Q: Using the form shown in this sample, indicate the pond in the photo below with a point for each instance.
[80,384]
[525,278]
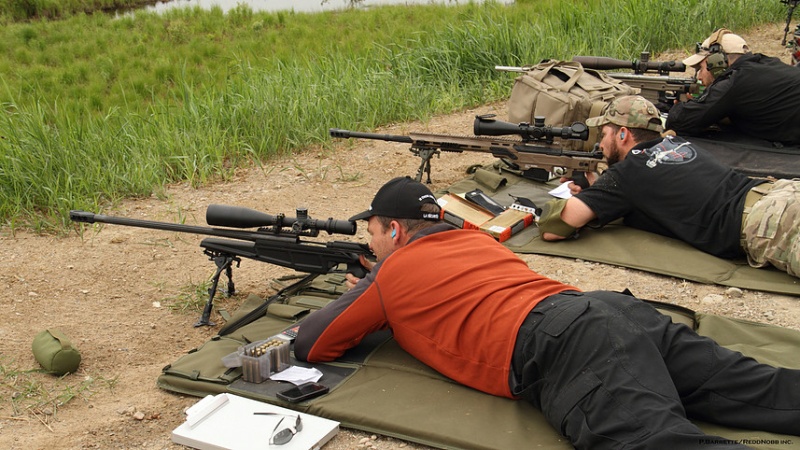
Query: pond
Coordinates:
[297,5]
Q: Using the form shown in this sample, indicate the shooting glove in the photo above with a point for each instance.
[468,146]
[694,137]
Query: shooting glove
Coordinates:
[550,221]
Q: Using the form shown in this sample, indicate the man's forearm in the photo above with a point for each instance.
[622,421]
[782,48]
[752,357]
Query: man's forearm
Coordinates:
[686,117]
[562,217]
[313,326]
[694,116]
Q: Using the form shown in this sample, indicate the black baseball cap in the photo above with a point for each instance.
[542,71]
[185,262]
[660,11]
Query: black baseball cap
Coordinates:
[400,198]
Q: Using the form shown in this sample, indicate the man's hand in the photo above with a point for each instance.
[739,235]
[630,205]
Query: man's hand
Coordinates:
[574,189]
[351,280]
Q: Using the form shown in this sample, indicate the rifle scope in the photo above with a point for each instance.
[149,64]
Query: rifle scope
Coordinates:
[487,126]
[638,66]
[240,217]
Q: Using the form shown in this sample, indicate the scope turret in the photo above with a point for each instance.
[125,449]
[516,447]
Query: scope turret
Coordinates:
[486,125]
[240,217]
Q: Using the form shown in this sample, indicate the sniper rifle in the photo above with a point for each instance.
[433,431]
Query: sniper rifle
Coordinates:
[660,88]
[275,241]
[535,156]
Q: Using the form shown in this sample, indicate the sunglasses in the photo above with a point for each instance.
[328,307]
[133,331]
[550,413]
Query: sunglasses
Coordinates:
[285,435]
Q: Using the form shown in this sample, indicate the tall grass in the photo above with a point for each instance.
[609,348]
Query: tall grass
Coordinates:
[196,97]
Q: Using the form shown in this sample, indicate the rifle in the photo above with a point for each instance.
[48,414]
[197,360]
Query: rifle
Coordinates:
[535,156]
[792,4]
[276,241]
[660,88]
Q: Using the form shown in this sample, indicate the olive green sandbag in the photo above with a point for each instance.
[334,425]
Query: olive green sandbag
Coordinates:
[55,352]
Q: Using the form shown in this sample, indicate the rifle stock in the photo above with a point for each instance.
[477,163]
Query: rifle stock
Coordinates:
[660,89]
[276,241]
[529,156]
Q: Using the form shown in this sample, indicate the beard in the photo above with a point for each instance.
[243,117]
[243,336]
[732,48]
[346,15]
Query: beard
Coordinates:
[613,155]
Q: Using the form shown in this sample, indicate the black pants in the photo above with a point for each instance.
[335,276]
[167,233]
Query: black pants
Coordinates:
[610,371]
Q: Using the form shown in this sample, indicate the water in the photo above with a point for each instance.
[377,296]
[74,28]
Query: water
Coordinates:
[296,5]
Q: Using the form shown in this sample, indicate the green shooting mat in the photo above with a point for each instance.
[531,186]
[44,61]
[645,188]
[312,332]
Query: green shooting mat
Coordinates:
[379,388]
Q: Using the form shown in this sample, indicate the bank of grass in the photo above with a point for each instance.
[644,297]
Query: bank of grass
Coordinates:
[98,108]
[25,10]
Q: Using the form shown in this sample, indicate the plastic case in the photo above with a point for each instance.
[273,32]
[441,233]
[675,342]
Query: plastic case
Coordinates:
[261,359]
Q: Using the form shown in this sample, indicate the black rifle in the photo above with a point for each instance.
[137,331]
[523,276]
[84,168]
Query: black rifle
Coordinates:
[534,156]
[660,88]
[276,241]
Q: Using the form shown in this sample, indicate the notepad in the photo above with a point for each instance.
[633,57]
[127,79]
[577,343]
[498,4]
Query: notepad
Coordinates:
[227,422]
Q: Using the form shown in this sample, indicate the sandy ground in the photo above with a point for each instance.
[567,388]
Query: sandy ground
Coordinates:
[114,289]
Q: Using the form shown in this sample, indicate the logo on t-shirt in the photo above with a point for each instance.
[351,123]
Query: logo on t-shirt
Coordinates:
[669,151]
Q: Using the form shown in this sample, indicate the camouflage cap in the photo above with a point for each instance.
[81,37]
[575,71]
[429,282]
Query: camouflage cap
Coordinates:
[631,111]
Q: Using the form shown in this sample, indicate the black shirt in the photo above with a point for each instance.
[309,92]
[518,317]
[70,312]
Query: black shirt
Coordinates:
[758,93]
[673,188]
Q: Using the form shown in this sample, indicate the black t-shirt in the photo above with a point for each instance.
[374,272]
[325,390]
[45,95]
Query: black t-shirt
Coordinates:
[673,188]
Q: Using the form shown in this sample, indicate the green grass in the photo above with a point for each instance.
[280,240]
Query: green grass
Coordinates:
[97,108]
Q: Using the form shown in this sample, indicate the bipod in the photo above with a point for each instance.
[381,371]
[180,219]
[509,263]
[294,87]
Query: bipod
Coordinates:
[792,4]
[224,261]
[426,153]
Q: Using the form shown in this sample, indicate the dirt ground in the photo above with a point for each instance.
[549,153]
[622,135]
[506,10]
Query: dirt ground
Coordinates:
[112,288]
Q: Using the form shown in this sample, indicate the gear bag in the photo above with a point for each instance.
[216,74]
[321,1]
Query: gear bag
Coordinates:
[564,92]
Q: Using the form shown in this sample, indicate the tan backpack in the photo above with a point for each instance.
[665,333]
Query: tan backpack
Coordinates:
[564,92]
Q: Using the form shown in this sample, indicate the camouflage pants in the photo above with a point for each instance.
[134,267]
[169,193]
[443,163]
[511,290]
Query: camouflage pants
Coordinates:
[771,230]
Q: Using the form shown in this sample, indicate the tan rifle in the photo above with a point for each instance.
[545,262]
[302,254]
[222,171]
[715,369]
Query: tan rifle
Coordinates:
[533,155]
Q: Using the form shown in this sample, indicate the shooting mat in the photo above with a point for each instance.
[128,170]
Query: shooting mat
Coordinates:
[379,388]
[751,156]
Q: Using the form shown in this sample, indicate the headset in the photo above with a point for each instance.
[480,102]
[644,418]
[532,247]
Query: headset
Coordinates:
[717,61]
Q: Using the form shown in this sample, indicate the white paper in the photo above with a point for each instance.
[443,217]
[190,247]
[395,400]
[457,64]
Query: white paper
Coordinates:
[297,375]
[562,191]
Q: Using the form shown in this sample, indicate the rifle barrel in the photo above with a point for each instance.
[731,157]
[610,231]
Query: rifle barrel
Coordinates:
[512,69]
[345,134]
[89,217]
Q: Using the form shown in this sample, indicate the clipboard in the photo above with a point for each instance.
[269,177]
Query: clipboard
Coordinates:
[227,422]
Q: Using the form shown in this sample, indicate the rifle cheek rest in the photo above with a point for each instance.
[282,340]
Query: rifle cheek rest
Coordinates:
[551,222]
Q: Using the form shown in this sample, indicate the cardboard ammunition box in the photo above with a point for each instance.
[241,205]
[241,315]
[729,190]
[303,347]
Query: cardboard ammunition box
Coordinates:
[463,213]
[507,224]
